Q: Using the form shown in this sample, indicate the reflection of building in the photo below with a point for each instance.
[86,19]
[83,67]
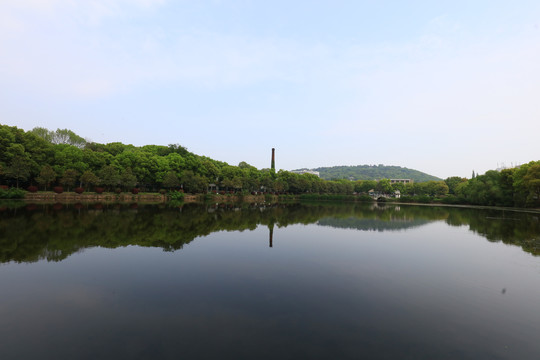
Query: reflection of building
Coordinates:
[401,181]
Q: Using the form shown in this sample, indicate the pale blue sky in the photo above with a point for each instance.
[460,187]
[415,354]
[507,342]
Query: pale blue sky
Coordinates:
[442,87]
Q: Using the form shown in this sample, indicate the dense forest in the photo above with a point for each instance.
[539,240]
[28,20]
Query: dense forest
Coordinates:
[43,159]
[373,172]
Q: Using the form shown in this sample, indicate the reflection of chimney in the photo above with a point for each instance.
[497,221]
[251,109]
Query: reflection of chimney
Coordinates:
[271,234]
[273,165]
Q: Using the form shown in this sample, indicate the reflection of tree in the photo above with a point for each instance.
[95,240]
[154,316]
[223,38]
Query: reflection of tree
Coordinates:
[54,233]
[510,227]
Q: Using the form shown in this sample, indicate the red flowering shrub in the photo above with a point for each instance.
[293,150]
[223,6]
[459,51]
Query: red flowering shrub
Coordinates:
[58,189]
[99,190]
[79,190]
[134,191]
[32,189]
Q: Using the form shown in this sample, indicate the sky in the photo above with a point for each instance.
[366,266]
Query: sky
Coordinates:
[444,87]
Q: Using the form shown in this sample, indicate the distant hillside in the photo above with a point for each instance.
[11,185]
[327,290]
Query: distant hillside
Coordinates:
[372,172]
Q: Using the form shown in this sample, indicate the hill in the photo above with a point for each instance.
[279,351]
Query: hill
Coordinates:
[373,172]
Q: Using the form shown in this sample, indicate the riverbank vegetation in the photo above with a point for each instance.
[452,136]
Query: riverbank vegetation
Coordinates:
[45,160]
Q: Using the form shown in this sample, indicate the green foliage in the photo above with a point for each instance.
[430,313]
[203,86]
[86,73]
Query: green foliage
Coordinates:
[109,177]
[384,186]
[46,176]
[60,136]
[171,180]
[453,182]
[12,193]
[19,169]
[88,178]
[127,179]
[176,195]
[69,178]
[29,157]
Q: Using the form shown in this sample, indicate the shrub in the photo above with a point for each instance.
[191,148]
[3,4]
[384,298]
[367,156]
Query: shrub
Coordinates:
[4,187]
[451,199]
[79,190]
[365,198]
[99,190]
[424,199]
[58,189]
[134,191]
[118,190]
[32,189]
[12,193]
[176,195]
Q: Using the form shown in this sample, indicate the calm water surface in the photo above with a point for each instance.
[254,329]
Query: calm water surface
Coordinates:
[267,282]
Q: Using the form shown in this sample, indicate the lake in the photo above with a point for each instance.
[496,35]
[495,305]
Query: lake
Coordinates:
[255,281]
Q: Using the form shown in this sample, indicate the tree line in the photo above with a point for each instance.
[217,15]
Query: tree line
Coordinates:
[45,158]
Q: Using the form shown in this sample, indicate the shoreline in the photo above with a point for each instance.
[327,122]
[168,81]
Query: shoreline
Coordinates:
[128,197]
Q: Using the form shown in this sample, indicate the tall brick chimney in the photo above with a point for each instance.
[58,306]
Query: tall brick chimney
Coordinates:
[273,165]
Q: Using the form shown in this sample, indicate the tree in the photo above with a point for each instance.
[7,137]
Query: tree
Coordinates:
[46,176]
[384,186]
[65,136]
[69,178]
[453,182]
[127,179]
[437,188]
[19,169]
[170,180]
[363,186]
[194,183]
[88,178]
[109,176]
[43,133]
[532,182]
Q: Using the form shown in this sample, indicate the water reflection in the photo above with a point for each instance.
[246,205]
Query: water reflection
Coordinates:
[31,232]
[389,283]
